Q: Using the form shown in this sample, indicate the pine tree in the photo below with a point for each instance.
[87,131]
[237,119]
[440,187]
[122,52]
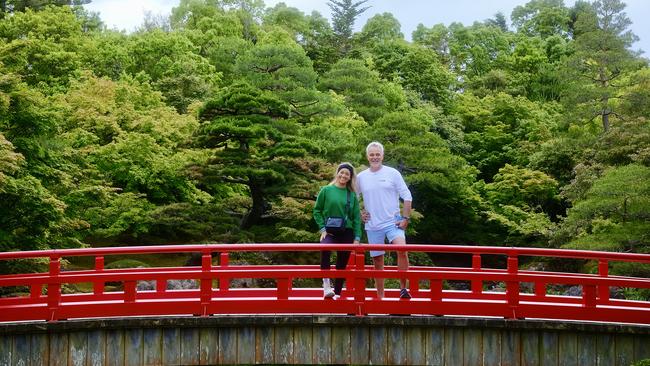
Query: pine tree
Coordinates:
[344,13]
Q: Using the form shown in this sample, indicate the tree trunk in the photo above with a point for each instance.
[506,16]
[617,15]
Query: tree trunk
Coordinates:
[253,216]
[605,116]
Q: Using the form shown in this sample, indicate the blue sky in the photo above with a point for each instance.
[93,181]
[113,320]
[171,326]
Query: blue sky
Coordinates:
[409,12]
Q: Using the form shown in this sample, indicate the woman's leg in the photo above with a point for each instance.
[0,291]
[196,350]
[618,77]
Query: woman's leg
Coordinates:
[325,264]
[342,257]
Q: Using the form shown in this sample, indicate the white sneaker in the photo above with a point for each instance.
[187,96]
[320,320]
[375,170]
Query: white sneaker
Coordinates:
[328,293]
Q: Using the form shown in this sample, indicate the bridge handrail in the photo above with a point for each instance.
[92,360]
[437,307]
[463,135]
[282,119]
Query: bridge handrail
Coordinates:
[593,303]
[458,249]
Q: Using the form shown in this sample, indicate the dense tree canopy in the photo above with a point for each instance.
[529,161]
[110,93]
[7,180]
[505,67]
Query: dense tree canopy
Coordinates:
[221,122]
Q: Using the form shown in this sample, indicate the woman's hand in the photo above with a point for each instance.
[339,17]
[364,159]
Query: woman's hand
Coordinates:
[365,216]
[323,235]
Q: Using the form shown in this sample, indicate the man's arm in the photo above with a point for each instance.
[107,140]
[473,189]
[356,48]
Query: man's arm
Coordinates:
[406,214]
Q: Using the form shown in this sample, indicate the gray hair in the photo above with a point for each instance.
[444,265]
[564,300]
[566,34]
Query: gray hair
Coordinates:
[377,145]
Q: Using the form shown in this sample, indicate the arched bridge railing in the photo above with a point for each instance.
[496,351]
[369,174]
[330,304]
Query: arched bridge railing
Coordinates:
[526,294]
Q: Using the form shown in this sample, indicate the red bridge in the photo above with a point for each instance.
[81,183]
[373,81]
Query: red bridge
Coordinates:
[214,296]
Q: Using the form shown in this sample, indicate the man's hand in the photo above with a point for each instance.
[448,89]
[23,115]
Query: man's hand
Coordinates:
[365,216]
[403,224]
[355,242]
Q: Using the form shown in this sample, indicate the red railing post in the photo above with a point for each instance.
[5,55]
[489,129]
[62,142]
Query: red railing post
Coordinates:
[283,288]
[540,289]
[35,290]
[435,293]
[349,280]
[224,281]
[161,287]
[206,281]
[129,291]
[436,290]
[603,290]
[589,296]
[98,284]
[512,287]
[477,285]
[54,288]
[360,281]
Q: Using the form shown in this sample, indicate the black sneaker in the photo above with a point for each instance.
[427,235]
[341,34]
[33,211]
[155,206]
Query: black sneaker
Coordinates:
[404,294]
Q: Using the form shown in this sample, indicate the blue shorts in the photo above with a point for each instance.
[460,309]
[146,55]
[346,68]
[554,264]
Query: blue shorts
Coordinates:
[379,237]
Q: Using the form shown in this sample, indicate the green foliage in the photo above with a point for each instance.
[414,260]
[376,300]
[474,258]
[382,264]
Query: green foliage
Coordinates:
[542,18]
[359,85]
[613,213]
[504,129]
[42,47]
[126,263]
[255,146]
[601,57]
[381,28]
[519,201]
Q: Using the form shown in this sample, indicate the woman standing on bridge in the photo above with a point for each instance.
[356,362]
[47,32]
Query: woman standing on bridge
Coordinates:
[337,214]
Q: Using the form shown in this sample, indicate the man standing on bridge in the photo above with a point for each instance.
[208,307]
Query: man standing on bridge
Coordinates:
[381,188]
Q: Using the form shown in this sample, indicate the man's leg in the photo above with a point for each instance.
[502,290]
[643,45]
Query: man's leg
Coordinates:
[378,261]
[402,260]
[377,237]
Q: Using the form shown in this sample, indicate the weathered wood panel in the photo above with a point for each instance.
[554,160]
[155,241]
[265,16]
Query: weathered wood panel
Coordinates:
[5,349]
[246,345]
[510,348]
[435,343]
[416,346]
[152,341]
[378,346]
[40,349]
[491,347]
[587,351]
[228,346]
[59,349]
[96,347]
[624,349]
[453,346]
[284,345]
[323,347]
[335,340]
[396,353]
[606,349]
[264,345]
[472,347]
[341,349]
[641,347]
[78,352]
[568,349]
[209,346]
[190,344]
[133,347]
[171,353]
[360,336]
[549,352]
[21,350]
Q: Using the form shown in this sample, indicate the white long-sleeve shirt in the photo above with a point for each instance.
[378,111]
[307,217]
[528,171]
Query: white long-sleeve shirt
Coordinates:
[381,191]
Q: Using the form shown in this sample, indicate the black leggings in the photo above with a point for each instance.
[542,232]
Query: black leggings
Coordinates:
[342,256]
